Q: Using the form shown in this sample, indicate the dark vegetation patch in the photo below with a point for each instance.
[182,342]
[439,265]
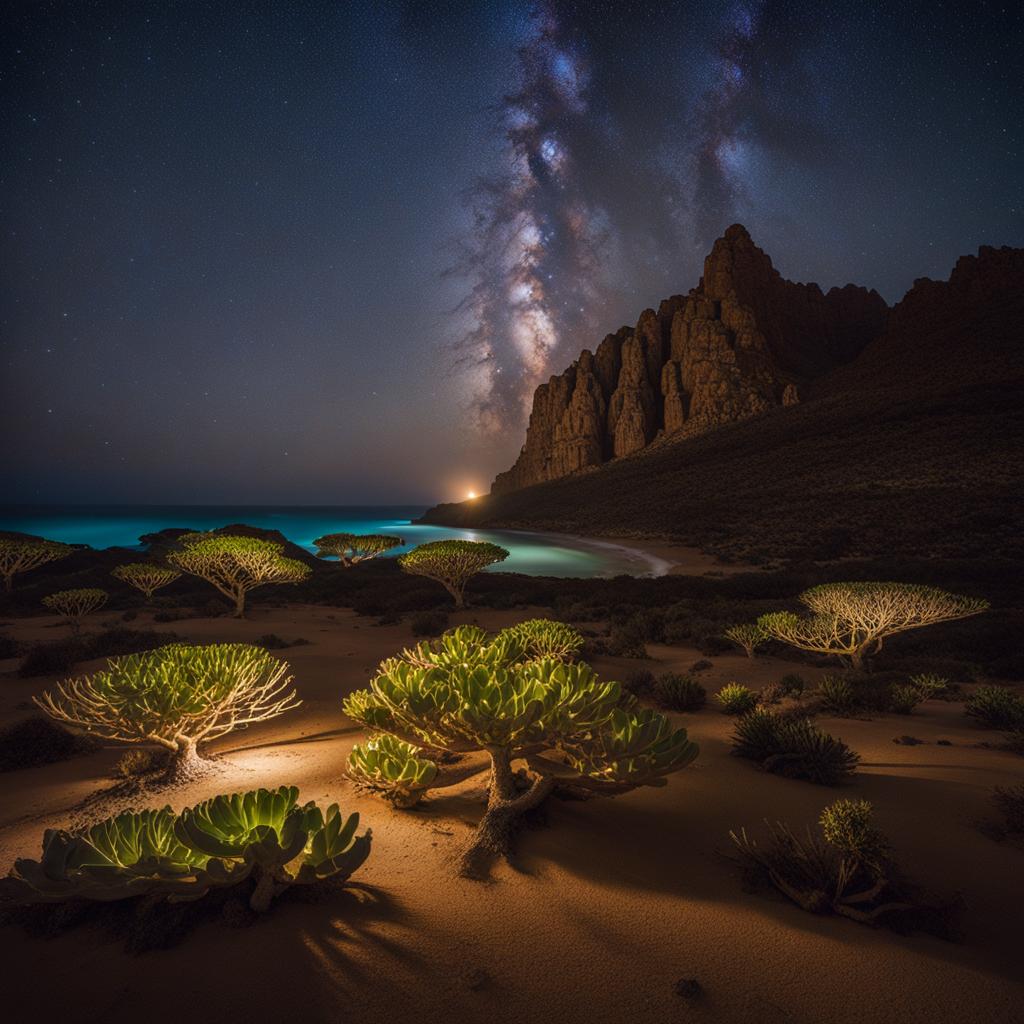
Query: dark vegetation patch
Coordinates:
[62,655]
[680,610]
[37,741]
[793,747]
[273,642]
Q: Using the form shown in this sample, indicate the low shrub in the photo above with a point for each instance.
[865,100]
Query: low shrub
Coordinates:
[273,642]
[837,696]
[792,685]
[36,741]
[627,640]
[736,699]
[640,682]
[903,699]
[679,693]
[9,647]
[793,747]
[546,638]
[431,623]
[62,655]
[844,869]
[1009,803]
[998,707]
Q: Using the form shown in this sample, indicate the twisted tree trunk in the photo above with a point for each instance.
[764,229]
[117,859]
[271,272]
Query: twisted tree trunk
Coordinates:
[505,807]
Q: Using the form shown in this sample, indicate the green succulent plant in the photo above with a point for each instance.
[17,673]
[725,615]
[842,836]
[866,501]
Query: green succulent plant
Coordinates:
[393,768]
[546,638]
[263,834]
[470,692]
[736,699]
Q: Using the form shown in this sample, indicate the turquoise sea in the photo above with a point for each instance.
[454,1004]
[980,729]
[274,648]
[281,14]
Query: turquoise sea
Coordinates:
[535,554]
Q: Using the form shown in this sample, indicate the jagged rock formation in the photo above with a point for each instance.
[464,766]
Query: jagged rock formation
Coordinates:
[739,344]
[913,450]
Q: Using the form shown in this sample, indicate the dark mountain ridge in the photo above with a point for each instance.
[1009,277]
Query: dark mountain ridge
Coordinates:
[915,447]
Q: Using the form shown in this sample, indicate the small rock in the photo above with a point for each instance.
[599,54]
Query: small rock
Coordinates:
[908,741]
[689,988]
[475,979]
[944,743]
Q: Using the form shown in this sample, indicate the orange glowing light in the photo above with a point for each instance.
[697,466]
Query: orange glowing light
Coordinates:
[470,495]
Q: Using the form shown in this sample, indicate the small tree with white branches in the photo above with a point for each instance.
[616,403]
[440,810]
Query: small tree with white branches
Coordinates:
[452,563]
[351,548]
[20,555]
[74,604]
[748,635]
[236,565]
[145,577]
[175,697]
[852,620]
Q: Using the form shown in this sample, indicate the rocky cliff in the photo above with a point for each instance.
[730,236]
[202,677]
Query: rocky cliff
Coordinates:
[743,341]
[914,449]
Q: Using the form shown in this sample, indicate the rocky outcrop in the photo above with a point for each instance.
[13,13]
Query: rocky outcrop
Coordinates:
[738,344]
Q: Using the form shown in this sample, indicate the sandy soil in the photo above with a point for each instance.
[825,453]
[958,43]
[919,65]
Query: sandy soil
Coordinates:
[678,560]
[620,898]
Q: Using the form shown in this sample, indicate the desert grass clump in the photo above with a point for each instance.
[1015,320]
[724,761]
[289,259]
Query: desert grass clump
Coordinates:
[837,696]
[793,747]
[546,638]
[852,620]
[74,605]
[998,707]
[452,563]
[555,720]
[18,555]
[392,768]
[236,565]
[748,635]
[845,868]
[176,697]
[145,577]
[676,692]
[736,699]
[352,548]
[904,698]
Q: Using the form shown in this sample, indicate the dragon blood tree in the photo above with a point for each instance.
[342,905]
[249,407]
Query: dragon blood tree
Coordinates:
[852,620]
[350,548]
[236,565]
[145,577]
[74,604]
[542,723]
[452,563]
[176,697]
[20,555]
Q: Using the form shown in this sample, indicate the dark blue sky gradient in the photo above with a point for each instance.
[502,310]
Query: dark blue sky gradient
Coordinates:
[229,229]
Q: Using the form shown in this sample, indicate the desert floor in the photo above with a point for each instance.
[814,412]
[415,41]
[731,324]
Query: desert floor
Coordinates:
[619,898]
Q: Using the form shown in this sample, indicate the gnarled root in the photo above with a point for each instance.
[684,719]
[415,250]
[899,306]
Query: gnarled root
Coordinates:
[506,806]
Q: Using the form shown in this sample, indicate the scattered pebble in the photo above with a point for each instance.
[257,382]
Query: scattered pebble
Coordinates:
[475,979]
[689,988]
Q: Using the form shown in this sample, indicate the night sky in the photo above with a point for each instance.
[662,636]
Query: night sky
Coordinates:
[323,252]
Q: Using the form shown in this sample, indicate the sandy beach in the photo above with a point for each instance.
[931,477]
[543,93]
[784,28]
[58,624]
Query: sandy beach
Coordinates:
[618,900]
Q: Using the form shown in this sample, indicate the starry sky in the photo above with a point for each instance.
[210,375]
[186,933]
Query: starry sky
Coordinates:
[312,252]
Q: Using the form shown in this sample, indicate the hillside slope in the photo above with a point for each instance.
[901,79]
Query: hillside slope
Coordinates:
[915,448]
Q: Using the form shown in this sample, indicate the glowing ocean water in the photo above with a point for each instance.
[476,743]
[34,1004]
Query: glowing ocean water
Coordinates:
[534,554]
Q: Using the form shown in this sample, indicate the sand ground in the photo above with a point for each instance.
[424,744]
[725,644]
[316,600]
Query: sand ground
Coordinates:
[619,898]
